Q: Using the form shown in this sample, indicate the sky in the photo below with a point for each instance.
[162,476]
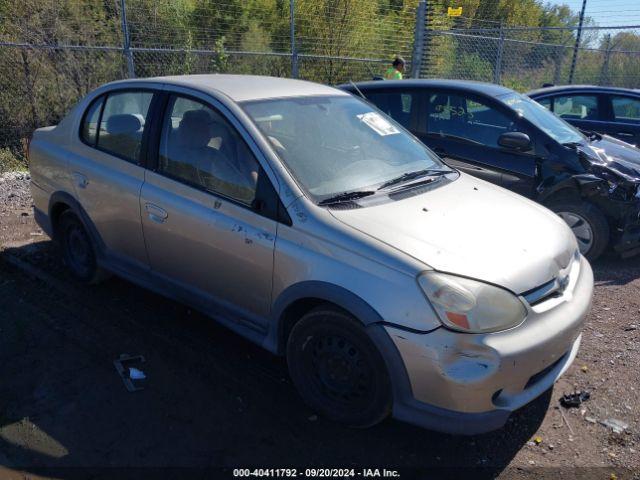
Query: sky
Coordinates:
[607,13]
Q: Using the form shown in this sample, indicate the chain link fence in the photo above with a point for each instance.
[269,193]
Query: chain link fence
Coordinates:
[527,58]
[53,52]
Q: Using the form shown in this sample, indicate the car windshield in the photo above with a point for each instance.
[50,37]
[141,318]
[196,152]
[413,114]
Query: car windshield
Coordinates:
[552,125]
[334,145]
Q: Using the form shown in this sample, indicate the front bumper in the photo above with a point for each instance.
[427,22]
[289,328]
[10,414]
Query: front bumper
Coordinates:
[471,383]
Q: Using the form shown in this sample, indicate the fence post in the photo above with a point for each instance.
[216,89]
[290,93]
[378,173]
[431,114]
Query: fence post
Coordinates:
[577,44]
[497,69]
[292,34]
[126,44]
[418,39]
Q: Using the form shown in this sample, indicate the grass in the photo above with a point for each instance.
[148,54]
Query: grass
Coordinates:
[12,161]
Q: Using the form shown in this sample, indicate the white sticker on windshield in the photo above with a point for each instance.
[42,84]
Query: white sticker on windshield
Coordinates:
[378,124]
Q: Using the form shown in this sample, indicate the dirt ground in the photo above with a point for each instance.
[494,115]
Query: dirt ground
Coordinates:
[212,399]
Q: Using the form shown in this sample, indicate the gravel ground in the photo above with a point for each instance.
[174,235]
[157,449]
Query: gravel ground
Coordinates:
[214,399]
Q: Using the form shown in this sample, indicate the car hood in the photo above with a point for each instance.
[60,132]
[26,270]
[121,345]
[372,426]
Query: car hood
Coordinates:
[475,229]
[613,154]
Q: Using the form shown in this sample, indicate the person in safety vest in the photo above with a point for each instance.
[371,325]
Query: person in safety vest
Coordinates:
[395,71]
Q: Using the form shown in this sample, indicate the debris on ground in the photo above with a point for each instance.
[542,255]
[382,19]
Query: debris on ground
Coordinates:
[135,374]
[537,440]
[584,368]
[131,376]
[618,426]
[590,419]
[575,399]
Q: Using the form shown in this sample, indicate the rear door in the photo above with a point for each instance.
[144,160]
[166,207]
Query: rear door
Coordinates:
[625,118]
[204,215]
[463,129]
[401,105]
[585,110]
[108,174]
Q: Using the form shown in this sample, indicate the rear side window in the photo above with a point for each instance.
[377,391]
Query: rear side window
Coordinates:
[122,124]
[626,109]
[395,104]
[576,107]
[545,102]
[89,130]
[457,116]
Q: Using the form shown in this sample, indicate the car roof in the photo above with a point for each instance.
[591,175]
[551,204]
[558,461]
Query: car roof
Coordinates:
[471,86]
[242,88]
[580,88]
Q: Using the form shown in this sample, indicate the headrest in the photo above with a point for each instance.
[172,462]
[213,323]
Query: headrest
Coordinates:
[195,128]
[125,123]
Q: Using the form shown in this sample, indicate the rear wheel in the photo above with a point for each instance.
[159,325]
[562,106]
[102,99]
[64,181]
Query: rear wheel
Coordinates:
[78,251]
[588,224]
[337,369]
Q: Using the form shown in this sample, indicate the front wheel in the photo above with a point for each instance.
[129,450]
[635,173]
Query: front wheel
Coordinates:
[588,224]
[337,369]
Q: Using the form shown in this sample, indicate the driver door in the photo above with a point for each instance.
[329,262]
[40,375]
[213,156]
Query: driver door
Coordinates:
[463,130]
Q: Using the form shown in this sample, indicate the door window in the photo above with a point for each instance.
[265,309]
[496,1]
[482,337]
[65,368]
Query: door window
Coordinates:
[200,147]
[626,109]
[395,104]
[545,102]
[456,116]
[576,107]
[122,124]
[89,129]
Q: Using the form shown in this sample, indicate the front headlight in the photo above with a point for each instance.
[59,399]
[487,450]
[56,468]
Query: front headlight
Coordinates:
[469,305]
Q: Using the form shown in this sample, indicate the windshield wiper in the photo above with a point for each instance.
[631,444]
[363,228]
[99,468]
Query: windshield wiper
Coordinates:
[411,175]
[346,197]
[572,144]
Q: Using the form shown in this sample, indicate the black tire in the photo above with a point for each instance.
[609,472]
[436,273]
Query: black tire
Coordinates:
[593,218]
[337,369]
[78,251]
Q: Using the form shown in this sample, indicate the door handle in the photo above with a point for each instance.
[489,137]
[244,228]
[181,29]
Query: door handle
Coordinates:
[156,213]
[80,180]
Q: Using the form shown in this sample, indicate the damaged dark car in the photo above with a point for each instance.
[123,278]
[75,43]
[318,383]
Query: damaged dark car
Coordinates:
[494,133]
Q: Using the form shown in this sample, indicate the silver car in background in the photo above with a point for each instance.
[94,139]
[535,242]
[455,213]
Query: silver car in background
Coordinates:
[307,221]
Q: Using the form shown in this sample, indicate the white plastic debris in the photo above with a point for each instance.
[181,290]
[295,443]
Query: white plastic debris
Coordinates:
[618,426]
[135,374]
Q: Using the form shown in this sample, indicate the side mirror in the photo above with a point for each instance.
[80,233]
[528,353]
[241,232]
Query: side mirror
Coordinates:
[515,141]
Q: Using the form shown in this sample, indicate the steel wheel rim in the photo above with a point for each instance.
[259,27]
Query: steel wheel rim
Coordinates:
[581,228]
[339,371]
[78,249]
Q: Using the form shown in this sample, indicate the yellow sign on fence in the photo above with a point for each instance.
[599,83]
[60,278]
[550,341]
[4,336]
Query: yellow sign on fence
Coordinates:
[454,12]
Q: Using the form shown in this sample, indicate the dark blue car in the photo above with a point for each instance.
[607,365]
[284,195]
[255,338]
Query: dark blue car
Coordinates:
[605,110]
[494,133]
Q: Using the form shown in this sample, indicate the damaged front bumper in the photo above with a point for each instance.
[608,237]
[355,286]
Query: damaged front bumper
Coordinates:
[471,383]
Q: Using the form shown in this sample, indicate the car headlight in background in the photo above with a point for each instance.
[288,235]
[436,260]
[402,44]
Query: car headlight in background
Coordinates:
[469,305]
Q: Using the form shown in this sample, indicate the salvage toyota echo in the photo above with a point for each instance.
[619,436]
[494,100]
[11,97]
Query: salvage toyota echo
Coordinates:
[304,219]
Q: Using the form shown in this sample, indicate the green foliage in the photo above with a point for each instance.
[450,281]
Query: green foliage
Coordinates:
[10,161]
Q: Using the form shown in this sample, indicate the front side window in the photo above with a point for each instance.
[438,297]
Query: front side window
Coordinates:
[457,116]
[576,107]
[626,109]
[122,124]
[539,116]
[395,104]
[198,146]
[335,144]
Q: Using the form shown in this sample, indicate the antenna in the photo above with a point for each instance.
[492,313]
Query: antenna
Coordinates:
[357,89]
